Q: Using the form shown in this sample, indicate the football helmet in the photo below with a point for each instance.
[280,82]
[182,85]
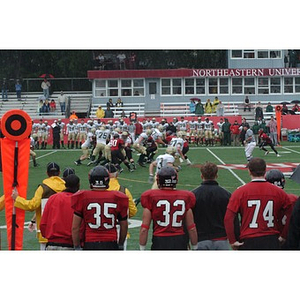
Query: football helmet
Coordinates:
[99,177]
[276,177]
[171,150]
[167,177]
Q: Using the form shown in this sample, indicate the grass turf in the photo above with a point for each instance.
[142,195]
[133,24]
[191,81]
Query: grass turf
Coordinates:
[137,182]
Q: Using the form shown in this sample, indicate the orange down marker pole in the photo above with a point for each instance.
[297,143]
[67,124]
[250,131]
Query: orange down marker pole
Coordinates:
[278,109]
[15,149]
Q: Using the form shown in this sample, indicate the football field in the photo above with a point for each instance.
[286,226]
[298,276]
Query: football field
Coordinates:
[232,173]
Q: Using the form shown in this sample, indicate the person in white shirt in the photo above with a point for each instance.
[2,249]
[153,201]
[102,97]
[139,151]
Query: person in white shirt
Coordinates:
[62,99]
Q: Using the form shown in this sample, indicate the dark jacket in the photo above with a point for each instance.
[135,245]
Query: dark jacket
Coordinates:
[210,209]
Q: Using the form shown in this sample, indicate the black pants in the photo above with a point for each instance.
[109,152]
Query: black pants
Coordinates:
[176,242]
[100,246]
[267,242]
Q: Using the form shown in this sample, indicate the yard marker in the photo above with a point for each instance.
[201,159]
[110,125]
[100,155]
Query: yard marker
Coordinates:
[222,162]
[15,146]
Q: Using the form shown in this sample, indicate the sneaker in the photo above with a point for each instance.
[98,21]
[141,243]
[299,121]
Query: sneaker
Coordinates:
[141,164]
[278,155]
[266,153]
[36,165]
[91,162]
[131,170]
[77,163]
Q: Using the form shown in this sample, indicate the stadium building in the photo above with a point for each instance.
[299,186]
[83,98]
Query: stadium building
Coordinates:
[262,75]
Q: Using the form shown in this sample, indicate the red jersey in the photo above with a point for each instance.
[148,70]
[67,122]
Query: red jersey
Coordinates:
[100,211]
[57,217]
[260,205]
[265,138]
[168,209]
[116,144]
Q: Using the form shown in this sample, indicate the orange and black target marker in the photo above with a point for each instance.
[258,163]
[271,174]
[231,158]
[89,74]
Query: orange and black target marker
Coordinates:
[16,128]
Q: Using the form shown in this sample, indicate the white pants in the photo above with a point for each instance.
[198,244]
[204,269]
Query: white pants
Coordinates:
[249,147]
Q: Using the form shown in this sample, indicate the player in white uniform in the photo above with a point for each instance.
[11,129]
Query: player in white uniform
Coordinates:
[88,143]
[82,133]
[177,142]
[192,130]
[220,132]
[102,137]
[71,134]
[39,130]
[200,131]
[208,127]
[46,133]
[161,161]
[33,140]
[140,146]
[182,124]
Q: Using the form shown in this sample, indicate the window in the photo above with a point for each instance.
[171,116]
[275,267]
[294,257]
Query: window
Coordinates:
[113,88]
[249,85]
[224,87]
[275,85]
[200,86]
[236,53]
[263,85]
[249,54]
[100,88]
[261,54]
[171,86]
[218,86]
[189,88]
[237,86]
[288,85]
[116,87]
[213,85]
[297,84]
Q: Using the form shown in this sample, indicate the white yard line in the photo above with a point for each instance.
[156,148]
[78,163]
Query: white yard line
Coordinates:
[286,148]
[222,162]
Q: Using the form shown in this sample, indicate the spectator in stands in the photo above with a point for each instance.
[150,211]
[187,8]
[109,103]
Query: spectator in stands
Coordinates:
[18,87]
[108,113]
[123,115]
[259,111]
[4,90]
[100,61]
[132,61]
[192,106]
[40,106]
[62,99]
[110,103]
[199,109]
[100,112]
[45,85]
[284,109]
[215,104]
[247,104]
[46,106]
[119,103]
[208,107]
[122,60]
[295,108]
[52,105]
[220,109]
[269,107]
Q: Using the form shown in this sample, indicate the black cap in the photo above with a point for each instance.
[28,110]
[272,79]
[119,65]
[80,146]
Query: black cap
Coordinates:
[72,181]
[52,167]
[68,171]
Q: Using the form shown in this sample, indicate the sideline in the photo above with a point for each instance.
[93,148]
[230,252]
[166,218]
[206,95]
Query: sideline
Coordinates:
[286,148]
[222,162]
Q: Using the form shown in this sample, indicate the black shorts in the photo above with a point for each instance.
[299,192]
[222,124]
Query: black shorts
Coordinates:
[176,242]
[100,246]
[267,242]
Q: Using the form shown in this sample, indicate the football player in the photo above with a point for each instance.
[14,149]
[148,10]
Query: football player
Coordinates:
[170,210]
[260,205]
[266,141]
[88,143]
[100,210]
[161,161]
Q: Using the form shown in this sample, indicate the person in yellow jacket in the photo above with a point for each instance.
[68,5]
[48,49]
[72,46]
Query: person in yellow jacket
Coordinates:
[114,185]
[208,107]
[100,112]
[51,185]
[2,202]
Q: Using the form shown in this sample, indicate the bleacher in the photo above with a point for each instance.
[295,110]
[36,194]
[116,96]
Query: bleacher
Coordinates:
[138,108]
[80,102]
[175,109]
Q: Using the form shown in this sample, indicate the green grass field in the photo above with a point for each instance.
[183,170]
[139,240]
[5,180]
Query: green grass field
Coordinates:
[189,177]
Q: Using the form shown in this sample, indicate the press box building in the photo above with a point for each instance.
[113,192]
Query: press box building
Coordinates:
[262,75]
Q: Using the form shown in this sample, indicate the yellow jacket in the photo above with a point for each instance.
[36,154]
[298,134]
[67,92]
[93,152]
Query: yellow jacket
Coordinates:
[100,113]
[114,185]
[2,202]
[56,184]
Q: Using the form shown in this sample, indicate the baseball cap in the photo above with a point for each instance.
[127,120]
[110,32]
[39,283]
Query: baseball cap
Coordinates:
[52,166]
[68,171]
